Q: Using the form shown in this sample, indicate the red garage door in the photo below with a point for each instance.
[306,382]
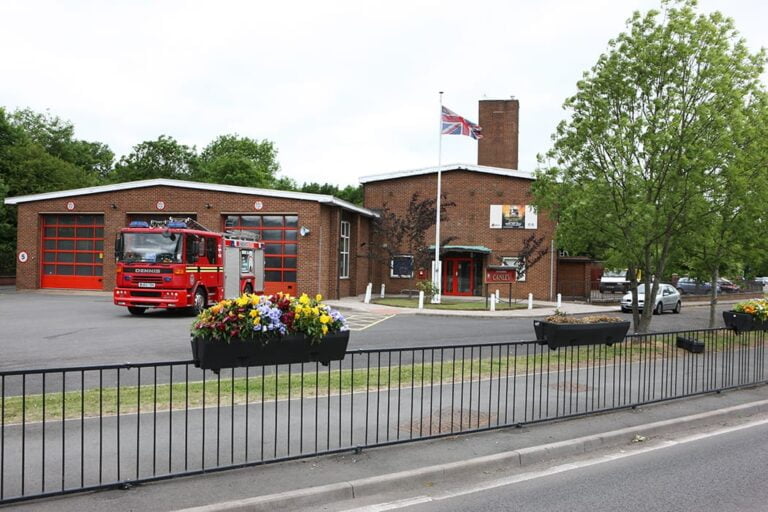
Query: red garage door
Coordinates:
[73,251]
[279,234]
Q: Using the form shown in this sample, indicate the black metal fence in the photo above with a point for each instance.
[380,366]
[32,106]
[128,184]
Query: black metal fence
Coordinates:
[65,430]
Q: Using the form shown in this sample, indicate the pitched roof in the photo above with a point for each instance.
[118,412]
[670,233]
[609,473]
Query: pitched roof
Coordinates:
[499,171]
[162,182]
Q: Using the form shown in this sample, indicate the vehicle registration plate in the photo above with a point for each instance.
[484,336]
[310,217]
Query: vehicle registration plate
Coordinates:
[146,285]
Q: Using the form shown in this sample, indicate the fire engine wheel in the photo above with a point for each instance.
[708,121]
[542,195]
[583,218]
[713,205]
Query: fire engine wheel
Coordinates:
[200,301]
[136,311]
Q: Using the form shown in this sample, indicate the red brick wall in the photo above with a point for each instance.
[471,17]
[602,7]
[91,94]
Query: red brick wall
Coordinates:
[317,252]
[468,221]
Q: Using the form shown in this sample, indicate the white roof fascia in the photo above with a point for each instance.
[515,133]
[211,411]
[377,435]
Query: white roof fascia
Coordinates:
[160,182]
[500,171]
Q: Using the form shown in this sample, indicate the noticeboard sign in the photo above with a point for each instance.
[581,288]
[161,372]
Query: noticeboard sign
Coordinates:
[500,275]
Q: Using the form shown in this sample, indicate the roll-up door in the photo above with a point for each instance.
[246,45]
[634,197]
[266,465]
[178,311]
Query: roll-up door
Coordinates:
[73,251]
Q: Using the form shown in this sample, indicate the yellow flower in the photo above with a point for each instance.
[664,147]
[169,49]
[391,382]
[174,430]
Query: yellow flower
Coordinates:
[304,299]
[324,319]
[256,321]
[242,301]
[254,313]
[325,329]
[318,297]
[315,311]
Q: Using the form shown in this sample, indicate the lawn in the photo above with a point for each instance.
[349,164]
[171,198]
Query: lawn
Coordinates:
[450,304]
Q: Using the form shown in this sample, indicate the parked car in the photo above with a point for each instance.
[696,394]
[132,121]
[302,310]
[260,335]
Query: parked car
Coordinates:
[727,286]
[689,285]
[614,281]
[762,280]
[667,299]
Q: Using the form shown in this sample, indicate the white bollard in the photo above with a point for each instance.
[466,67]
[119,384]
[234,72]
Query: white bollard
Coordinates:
[530,301]
[559,300]
[493,302]
[497,296]
[368,290]
[421,300]
[382,290]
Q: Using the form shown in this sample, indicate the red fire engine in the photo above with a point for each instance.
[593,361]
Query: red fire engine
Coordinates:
[179,263]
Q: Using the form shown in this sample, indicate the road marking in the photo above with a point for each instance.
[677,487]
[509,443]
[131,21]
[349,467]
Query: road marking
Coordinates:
[562,468]
[362,321]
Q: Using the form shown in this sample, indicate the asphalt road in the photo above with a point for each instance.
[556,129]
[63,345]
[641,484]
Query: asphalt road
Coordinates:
[43,330]
[718,473]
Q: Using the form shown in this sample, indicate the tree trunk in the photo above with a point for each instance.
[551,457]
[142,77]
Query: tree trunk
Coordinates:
[713,298]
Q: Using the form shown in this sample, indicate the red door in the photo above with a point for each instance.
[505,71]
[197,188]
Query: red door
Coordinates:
[73,251]
[458,277]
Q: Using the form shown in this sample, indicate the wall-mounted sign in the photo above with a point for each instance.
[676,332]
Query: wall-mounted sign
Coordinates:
[258,205]
[70,206]
[500,275]
[160,205]
[23,257]
[513,216]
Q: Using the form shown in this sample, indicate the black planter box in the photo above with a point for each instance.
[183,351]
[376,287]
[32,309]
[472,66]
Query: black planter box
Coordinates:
[570,335]
[691,345]
[742,322]
[212,354]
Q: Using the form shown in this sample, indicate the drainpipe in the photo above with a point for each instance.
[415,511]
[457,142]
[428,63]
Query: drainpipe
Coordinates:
[552,270]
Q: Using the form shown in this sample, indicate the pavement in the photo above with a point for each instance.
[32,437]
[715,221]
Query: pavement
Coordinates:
[540,308]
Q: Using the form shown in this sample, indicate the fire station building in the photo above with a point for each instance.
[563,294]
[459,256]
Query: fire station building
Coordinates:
[312,243]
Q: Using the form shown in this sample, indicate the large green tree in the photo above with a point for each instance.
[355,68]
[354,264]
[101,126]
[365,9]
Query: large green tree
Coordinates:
[161,158]
[648,134]
[242,161]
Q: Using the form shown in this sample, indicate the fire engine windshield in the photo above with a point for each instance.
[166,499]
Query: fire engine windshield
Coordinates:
[151,248]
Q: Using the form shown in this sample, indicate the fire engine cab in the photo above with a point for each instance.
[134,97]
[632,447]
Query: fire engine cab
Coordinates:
[179,263]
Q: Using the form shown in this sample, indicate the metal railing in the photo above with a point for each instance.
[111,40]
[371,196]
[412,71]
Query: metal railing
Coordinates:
[65,430]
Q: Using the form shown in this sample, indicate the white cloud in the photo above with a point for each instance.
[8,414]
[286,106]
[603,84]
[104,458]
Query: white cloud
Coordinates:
[344,88]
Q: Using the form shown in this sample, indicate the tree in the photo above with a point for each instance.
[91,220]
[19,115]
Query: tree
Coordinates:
[350,193]
[242,161]
[161,158]
[57,137]
[648,133]
[736,205]
[406,234]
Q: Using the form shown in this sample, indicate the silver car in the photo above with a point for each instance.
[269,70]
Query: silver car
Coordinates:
[667,299]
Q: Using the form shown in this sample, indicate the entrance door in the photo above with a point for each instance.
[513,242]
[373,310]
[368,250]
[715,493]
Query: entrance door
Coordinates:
[458,278]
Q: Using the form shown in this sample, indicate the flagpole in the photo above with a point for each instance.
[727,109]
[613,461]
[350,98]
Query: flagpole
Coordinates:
[436,266]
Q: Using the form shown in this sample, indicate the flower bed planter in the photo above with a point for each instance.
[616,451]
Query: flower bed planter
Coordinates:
[211,354]
[557,335]
[743,322]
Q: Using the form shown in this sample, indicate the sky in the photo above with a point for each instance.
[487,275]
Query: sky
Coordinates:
[343,88]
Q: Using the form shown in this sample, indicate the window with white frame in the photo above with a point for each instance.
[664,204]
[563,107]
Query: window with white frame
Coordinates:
[518,263]
[401,266]
[344,250]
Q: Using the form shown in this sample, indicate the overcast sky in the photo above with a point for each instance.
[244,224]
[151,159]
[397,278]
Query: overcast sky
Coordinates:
[344,89]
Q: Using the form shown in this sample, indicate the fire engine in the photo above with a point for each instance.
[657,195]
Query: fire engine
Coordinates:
[179,263]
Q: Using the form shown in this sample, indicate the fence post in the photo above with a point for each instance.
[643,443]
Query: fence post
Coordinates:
[559,300]
[382,290]
[493,302]
[530,301]
[368,290]
[421,300]
[497,295]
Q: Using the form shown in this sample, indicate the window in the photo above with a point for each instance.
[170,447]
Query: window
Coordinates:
[512,261]
[344,250]
[401,266]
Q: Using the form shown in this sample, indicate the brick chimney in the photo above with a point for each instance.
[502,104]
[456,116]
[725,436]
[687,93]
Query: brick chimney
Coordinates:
[499,120]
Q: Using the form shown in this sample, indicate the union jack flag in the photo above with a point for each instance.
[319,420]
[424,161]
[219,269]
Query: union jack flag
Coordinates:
[454,124]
